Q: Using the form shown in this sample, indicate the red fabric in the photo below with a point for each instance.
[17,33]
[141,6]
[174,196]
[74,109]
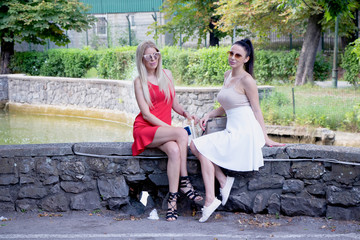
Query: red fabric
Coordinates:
[143,131]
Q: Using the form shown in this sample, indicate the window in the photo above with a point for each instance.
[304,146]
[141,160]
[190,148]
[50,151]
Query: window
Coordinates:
[101,25]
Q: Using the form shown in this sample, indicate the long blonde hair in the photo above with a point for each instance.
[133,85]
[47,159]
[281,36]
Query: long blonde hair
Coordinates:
[163,81]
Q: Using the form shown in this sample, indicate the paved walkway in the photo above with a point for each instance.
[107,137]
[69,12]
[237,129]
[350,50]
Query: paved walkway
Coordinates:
[110,225]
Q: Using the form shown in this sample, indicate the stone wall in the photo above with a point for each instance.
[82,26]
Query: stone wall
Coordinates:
[114,95]
[3,92]
[296,180]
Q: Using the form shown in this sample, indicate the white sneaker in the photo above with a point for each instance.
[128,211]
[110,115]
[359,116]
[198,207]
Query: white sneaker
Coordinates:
[207,211]
[225,192]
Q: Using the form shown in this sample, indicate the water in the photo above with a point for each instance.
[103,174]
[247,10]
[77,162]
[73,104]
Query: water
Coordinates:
[24,128]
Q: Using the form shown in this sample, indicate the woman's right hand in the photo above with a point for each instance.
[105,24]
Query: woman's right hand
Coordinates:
[203,121]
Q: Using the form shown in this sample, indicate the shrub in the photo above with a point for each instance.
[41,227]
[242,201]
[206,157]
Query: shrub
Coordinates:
[322,68]
[27,62]
[273,66]
[117,63]
[351,62]
[352,119]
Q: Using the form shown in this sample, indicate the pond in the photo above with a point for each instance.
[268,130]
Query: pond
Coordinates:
[25,128]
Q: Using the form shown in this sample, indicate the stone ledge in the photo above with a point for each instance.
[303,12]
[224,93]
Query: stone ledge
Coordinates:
[290,151]
[36,150]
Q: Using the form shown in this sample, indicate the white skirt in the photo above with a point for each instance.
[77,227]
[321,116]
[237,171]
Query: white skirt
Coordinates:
[238,147]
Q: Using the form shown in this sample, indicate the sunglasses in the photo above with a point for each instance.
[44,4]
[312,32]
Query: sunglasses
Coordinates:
[237,56]
[149,57]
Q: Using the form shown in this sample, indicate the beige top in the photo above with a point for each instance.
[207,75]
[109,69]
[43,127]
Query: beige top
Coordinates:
[229,98]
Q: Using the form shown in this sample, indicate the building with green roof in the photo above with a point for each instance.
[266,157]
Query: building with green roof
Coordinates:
[122,6]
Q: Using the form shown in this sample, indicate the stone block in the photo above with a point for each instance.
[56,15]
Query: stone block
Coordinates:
[343,213]
[77,187]
[259,203]
[51,180]
[160,179]
[281,168]
[46,166]
[310,151]
[7,179]
[55,203]
[85,201]
[7,165]
[344,197]
[32,191]
[135,178]
[72,170]
[293,186]
[274,204]
[315,187]
[7,206]
[303,205]
[113,188]
[26,179]
[272,182]
[133,167]
[344,174]
[98,165]
[25,165]
[240,202]
[36,150]
[5,195]
[26,205]
[117,203]
[308,170]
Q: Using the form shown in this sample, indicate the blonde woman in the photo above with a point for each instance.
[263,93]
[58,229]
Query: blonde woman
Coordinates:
[155,96]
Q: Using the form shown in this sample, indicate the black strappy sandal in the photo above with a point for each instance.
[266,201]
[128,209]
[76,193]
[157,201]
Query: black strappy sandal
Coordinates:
[192,194]
[172,211]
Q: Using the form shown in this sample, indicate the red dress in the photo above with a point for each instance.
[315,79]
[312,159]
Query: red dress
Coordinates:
[143,131]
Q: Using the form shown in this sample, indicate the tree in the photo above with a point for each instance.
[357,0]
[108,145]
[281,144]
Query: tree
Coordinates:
[188,18]
[286,16]
[35,21]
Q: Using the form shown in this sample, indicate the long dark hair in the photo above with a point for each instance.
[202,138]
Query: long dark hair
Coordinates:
[249,65]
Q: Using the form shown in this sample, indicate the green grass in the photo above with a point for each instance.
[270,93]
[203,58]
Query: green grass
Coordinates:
[335,109]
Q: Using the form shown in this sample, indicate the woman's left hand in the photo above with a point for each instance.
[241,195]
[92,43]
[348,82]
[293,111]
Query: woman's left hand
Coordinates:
[271,143]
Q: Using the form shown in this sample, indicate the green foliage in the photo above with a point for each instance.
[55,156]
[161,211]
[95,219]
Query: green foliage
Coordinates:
[322,68]
[117,63]
[69,62]
[124,38]
[205,66]
[53,66]
[36,21]
[351,63]
[28,62]
[276,66]
[314,106]
[186,19]
[276,108]
[352,119]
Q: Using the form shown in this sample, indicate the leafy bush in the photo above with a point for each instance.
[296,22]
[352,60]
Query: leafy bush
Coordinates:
[28,62]
[351,62]
[53,66]
[117,63]
[322,68]
[352,119]
[273,66]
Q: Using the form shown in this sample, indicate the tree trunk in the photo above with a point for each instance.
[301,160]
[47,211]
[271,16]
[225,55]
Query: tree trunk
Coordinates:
[7,50]
[214,41]
[305,70]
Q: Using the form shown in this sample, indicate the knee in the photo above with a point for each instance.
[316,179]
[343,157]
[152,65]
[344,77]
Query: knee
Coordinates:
[173,151]
[182,135]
